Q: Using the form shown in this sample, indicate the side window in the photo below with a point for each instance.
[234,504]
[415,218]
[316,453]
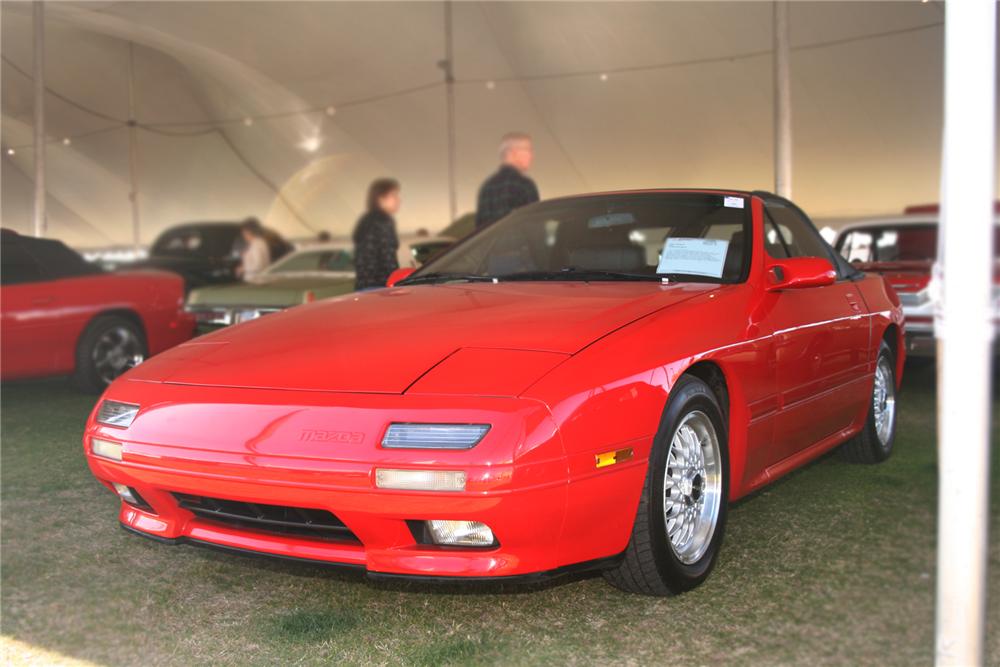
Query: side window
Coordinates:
[774,240]
[796,235]
[17,266]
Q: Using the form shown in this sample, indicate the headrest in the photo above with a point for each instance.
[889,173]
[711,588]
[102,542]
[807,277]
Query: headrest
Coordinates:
[626,258]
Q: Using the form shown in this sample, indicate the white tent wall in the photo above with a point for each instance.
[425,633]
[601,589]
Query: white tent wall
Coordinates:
[867,113]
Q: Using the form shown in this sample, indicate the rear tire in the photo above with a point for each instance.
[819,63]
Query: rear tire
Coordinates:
[109,346]
[681,518]
[874,443]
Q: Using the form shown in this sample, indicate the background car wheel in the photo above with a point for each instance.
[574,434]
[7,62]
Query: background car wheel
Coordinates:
[682,512]
[874,443]
[109,346]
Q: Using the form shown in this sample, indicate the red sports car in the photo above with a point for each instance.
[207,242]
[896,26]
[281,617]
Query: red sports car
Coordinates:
[62,315]
[585,384]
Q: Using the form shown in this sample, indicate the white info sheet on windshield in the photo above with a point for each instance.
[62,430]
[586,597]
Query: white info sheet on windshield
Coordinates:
[696,257]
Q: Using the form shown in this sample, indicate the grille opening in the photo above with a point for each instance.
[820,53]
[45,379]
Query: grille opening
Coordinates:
[275,519]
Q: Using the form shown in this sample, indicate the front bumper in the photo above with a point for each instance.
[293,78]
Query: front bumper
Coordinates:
[516,478]
[524,579]
[920,341]
[210,318]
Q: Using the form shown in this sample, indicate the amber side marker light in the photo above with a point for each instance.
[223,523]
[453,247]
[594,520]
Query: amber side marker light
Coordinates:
[610,458]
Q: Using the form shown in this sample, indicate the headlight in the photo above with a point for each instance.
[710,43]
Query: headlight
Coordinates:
[213,316]
[106,449]
[434,436]
[246,315]
[420,480]
[114,413]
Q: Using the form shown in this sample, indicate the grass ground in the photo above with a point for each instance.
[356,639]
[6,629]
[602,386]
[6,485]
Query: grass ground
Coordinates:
[832,565]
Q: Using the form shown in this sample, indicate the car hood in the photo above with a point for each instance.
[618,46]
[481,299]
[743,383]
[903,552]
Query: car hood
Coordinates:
[384,341]
[271,292]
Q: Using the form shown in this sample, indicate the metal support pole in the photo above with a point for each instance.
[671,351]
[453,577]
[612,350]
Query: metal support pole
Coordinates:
[133,152]
[782,103]
[448,65]
[964,329]
[39,221]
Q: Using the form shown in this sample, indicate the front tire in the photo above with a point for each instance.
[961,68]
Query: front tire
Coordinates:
[109,346]
[681,518]
[874,443]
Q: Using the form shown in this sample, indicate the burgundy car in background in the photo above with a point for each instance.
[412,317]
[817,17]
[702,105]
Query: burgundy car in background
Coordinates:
[903,249]
[62,315]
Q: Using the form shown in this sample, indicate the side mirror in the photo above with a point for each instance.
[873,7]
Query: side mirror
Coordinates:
[799,272]
[399,274]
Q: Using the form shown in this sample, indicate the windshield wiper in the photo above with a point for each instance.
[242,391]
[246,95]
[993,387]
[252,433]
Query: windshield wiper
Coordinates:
[572,274]
[428,278]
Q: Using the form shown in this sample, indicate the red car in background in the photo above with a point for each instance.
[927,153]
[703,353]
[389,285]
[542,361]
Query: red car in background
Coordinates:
[903,249]
[585,384]
[62,315]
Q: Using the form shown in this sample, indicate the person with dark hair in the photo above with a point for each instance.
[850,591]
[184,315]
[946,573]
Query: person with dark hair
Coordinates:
[509,188]
[256,254]
[375,239]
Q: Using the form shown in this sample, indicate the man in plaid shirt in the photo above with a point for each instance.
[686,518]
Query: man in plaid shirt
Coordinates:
[508,188]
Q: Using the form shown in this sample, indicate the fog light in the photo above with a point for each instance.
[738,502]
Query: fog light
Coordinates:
[125,493]
[420,480]
[106,449]
[131,496]
[463,533]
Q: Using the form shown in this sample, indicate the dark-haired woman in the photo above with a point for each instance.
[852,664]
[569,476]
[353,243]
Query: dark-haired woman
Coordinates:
[375,239]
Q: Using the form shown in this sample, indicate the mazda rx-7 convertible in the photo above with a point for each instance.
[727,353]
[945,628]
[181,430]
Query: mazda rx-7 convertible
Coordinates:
[586,384]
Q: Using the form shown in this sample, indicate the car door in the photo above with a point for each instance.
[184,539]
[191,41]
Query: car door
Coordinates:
[821,340]
[25,302]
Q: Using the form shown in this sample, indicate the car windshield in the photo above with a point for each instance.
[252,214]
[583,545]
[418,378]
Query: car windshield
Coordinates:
[196,241]
[896,243]
[693,236]
[338,259]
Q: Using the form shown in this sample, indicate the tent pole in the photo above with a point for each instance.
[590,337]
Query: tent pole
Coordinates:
[133,152]
[39,222]
[964,329]
[449,84]
[782,102]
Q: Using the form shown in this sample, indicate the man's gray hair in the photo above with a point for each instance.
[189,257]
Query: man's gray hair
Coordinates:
[511,140]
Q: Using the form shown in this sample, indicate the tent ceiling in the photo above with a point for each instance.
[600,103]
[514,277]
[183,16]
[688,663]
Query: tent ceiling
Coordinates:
[866,112]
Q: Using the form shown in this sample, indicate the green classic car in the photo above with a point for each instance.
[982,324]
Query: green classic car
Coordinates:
[316,272]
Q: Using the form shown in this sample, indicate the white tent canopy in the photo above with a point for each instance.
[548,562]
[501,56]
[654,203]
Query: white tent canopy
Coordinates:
[232,102]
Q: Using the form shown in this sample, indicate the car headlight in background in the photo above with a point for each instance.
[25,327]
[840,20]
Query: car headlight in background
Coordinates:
[106,449]
[434,436]
[420,480]
[460,533]
[115,413]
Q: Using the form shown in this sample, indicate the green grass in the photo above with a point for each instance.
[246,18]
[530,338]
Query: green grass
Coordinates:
[832,565]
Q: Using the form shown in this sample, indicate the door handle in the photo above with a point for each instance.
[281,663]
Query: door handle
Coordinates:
[42,300]
[851,299]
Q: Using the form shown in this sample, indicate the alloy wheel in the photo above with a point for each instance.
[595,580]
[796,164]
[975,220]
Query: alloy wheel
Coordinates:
[884,401]
[692,487]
